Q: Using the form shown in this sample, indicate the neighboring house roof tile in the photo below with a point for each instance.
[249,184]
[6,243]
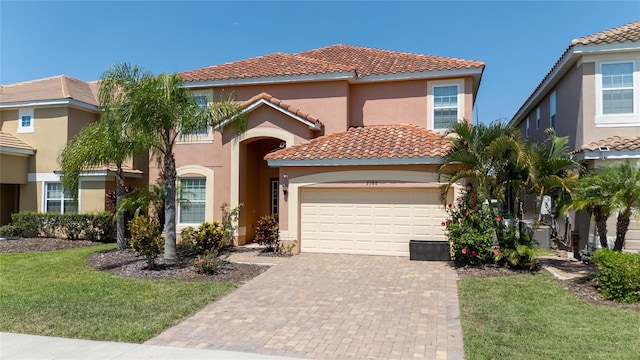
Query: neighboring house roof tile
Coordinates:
[10,141]
[368,61]
[360,61]
[282,105]
[374,142]
[52,88]
[613,143]
[622,34]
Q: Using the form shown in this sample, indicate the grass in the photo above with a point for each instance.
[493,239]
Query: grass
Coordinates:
[57,294]
[534,317]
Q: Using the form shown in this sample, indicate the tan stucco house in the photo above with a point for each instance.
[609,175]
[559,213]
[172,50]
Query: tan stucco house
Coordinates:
[342,142]
[592,95]
[37,118]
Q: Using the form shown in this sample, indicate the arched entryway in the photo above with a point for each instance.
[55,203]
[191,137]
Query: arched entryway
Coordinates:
[258,184]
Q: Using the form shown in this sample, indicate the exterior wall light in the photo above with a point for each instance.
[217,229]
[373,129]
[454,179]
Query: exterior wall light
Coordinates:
[285,184]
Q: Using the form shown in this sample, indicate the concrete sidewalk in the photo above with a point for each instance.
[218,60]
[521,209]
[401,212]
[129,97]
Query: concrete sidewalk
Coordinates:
[20,346]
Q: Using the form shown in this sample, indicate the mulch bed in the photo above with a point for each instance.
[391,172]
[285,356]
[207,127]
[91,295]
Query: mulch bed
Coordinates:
[128,263]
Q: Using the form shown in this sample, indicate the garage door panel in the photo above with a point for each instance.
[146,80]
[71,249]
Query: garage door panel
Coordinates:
[369,221]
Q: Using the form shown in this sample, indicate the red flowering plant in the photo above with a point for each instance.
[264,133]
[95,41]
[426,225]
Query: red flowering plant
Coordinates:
[469,230]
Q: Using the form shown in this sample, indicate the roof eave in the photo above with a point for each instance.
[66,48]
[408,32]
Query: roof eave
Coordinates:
[345,75]
[568,59]
[474,71]
[606,155]
[51,102]
[16,151]
[427,160]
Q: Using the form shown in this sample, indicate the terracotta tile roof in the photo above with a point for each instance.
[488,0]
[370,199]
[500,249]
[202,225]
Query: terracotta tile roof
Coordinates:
[360,61]
[279,103]
[614,143]
[52,88]
[374,142]
[278,64]
[620,34]
[10,141]
[382,62]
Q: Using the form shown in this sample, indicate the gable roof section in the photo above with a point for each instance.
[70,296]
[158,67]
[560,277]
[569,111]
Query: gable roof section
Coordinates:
[265,99]
[374,145]
[55,90]
[9,144]
[351,63]
[623,37]
[615,147]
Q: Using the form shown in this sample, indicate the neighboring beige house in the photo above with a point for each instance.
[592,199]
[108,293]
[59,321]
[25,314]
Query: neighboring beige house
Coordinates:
[342,143]
[592,95]
[37,118]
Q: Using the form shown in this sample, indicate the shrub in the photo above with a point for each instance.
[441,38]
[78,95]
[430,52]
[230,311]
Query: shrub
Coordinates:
[211,262]
[469,230]
[9,231]
[229,219]
[146,239]
[94,227]
[268,233]
[207,237]
[618,275]
[515,250]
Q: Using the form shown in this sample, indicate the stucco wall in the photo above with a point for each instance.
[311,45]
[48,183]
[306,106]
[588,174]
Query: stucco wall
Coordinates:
[92,196]
[13,169]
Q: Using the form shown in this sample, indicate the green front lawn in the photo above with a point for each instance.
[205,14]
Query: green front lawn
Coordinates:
[56,293]
[534,317]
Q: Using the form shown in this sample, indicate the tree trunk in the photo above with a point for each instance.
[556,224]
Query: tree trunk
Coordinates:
[122,244]
[601,227]
[170,206]
[622,225]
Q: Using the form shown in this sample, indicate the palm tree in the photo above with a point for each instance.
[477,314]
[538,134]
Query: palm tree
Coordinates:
[623,181]
[590,194]
[111,140]
[493,156]
[552,171]
[162,109]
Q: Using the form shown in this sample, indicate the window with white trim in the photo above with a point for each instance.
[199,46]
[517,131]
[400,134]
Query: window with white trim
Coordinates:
[526,133]
[25,120]
[203,102]
[56,200]
[538,118]
[617,88]
[445,106]
[192,200]
[552,110]
[274,196]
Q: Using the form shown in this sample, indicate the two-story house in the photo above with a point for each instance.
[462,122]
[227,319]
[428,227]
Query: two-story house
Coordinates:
[37,118]
[592,95]
[343,143]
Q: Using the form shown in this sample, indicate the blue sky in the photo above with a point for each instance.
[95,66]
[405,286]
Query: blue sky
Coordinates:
[518,40]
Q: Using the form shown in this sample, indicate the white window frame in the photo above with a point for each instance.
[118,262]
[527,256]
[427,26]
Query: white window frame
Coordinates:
[617,120]
[526,133]
[22,112]
[62,200]
[538,116]
[459,83]
[191,201]
[199,137]
[552,110]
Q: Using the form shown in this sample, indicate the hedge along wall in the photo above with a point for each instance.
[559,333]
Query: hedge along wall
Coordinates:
[93,227]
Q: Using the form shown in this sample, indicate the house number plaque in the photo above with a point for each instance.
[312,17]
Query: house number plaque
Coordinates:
[372,182]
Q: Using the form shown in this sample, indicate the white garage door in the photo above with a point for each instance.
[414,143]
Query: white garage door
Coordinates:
[369,221]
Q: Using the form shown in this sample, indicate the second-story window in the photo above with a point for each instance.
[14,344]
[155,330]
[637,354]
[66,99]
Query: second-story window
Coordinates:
[25,120]
[537,118]
[552,110]
[617,88]
[527,129]
[445,106]
[203,103]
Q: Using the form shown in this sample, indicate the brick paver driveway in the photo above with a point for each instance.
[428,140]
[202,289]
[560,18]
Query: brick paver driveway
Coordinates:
[326,306]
